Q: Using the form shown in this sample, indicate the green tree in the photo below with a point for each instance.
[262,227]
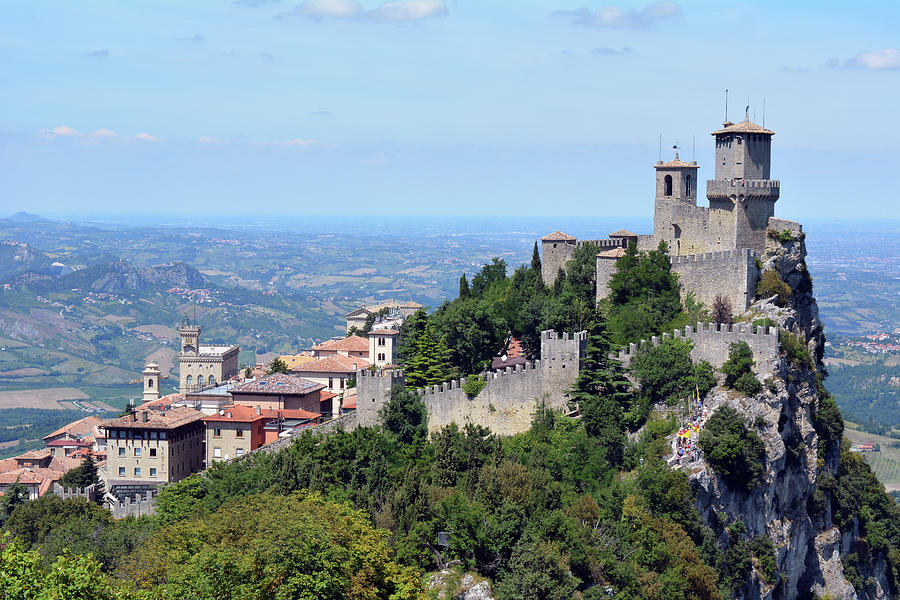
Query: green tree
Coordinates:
[536,259]
[771,284]
[430,364]
[490,274]
[463,286]
[733,450]
[410,332]
[666,373]
[278,366]
[473,331]
[82,476]
[738,369]
[405,415]
[14,496]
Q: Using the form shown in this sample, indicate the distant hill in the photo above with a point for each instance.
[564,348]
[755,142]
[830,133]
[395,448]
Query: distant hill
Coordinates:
[24,217]
[120,276]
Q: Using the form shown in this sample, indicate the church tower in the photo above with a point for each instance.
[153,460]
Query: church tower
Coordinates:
[151,382]
[675,207]
[742,197]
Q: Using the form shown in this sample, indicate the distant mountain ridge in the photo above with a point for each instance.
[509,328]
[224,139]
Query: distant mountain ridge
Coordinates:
[120,276]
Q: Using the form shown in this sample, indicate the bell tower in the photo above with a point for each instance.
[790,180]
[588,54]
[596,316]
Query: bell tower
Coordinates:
[190,337]
[151,382]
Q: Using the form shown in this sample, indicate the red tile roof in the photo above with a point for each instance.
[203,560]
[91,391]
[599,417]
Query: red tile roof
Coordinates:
[558,236]
[70,444]
[744,126]
[291,413]
[77,428]
[622,233]
[326,395]
[237,413]
[353,343]
[337,363]
[171,419]
[384,332]
[281,384]
[614,253]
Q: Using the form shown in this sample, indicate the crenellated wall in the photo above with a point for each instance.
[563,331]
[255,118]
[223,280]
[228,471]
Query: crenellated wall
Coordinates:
[505,405]
[731,273]
[712,342]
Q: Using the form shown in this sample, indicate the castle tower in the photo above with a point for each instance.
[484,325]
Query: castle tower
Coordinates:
[151,382]
[190,338]
[742,197]
[556,250]
[675,207]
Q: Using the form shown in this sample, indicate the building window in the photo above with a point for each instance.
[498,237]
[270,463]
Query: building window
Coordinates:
[189,380]
[217,453]
[342,382]
[152,452]
[150,383]
[121,471]
[217,432]
[162,435]
[199,379]
[137,471]
[137,452]
[212,380]
[687,185]
[152,435]
[239,451]
[122,451]
[152,471]
[739,141]
[239,433]
[381,341]
[330,383]
[668,184]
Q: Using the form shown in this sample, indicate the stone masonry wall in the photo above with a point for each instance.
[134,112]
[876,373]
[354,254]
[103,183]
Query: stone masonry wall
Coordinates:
[713,340]
[505,405]
[732,273]
[554,256]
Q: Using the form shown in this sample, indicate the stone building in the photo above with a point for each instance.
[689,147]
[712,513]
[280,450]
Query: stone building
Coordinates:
[714,249]
[279,391]
[149,447]
[396,313]
[383,347]
[201,366]
[233,432]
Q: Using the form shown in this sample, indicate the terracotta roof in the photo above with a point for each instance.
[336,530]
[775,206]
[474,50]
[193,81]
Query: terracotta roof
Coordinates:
[326,395]
[384,332]
[27,476]
[291,413]
[614,253]
[677,164]
[237,413]
[63,463]
[622,233]
[77,428]
[279,384]
[161,403]
[337,363]
[35,454]
[558,236]
[744,126]
[170,419]
[8,464]
[349,401]
[295,360]
[353,343]
[69,444]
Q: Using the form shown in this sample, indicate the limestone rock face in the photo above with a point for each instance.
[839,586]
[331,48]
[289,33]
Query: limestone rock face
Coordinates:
[809,547]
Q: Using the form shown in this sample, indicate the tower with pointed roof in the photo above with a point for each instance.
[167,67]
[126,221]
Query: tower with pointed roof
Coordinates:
[556,250]
[676,219]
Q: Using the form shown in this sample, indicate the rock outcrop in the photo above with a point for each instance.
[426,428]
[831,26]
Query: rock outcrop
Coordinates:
[809,547]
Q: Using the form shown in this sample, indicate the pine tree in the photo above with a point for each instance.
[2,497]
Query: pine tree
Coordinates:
[535,259]
[15,495]
[278,366]
[602,392]
[410,332]
[464,291]
[430,364]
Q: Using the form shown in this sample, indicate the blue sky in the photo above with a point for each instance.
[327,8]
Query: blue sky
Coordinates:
[435,106]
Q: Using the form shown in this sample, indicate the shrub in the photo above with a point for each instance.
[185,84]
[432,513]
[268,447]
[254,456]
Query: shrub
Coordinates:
[764,322]
[738,369]
[473,385]
[734,452]
[794,348]
[785,236]
[666,373]
[721,310]
[771,284]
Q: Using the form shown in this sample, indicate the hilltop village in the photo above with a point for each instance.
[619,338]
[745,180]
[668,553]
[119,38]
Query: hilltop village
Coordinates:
[222,412]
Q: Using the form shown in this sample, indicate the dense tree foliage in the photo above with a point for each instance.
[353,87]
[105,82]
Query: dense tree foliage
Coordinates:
[738,369]
[278,366]
[667,374]
[734,451]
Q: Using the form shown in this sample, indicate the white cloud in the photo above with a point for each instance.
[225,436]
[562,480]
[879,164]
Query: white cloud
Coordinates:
[617,17]
[64,131]
[879,60]
[336,9]
[409,10]
[146,137]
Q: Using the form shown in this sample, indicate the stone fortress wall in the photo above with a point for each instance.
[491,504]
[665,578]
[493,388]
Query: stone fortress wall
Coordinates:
[712,342]
[507,402]
[731,273]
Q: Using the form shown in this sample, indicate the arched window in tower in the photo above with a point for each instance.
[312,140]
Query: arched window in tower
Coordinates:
[189,380]
[200,380]
[687,185]
[150,383]
[212,380]
[668,185]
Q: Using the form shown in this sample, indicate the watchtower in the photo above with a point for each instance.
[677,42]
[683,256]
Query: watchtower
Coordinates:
[676,219]
[151,382]
[742,197]
[190,337]
[556,250]
[677,180]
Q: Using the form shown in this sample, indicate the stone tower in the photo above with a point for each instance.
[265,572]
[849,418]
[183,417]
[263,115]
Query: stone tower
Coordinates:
[151,382]
[742,197]
[556,250]
[675,218]
[190,337]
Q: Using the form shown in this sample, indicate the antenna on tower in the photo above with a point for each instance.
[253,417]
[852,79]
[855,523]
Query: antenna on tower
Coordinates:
[726,105]
[747,110]
[693,148]
[660,147]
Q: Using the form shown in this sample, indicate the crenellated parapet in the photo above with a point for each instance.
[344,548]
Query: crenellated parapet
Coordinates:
[723,256]
[712,341]
[751,189]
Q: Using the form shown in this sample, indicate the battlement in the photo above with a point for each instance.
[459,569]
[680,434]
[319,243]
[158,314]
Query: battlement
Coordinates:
[392,373]
[724,256]
[712,342]
[768,189]
[604,244]
[566,337]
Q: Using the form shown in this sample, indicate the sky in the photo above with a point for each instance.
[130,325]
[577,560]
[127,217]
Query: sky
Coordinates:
[435,107]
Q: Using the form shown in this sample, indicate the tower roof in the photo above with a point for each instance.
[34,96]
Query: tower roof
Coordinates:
[558,236]
[745,126]
[677,164]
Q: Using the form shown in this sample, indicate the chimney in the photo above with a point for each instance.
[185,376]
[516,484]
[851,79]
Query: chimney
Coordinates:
[228,414]
[258,410]
[133,417]
[354,366]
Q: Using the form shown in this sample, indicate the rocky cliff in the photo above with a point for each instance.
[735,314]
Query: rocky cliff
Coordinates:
[802,453]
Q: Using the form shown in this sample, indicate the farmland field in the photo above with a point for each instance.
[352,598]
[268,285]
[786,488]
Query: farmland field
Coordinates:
[886,463]
[48,398]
